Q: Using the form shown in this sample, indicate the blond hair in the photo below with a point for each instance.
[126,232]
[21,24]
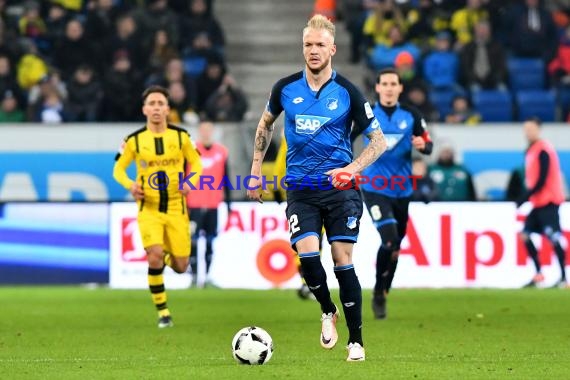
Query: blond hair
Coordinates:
[320,22]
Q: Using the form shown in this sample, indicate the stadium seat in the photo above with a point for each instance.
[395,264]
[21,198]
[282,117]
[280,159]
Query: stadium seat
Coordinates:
[441,99]
[493,105]
[526,73]
[541,103]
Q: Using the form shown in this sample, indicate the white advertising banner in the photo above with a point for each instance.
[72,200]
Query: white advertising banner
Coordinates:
[128,268]
[448,245]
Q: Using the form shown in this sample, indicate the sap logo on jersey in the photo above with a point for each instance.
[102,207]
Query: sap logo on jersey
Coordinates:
[309,124]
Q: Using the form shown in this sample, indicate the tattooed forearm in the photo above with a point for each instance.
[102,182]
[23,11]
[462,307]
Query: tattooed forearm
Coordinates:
[262,137]
[260,142]
[375,148]
[267,121]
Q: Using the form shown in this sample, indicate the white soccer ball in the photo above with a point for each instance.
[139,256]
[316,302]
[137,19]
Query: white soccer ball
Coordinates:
[252,345]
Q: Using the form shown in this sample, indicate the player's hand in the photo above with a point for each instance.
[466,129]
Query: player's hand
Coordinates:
[254,190]
[137,191]
[341,178]
[418,142]
[185,189]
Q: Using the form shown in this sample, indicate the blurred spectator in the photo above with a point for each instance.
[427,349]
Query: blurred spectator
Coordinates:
[559,67]
[84,96]
[378,24]
[425,189]
[441,66]
[9,43]
[174,72]
[198,22]
[50,109]
[31,67]
[47,92]
[56,23]
[181,7]
[9,110]
[463,21]
[425,21]
[383,56]
[122,87]
[354,14]
[31,25]
[227,103]
[72,5]
[197,56]
[516,187]
[156,15]
[100,22]
[209,82]
[162,52]
[461,112]
[406,67]
[75,49]
[181,111]
[417,97]
[483,61]
[451,6]
[127,41]
[531,31]
[454,182]
[8,81]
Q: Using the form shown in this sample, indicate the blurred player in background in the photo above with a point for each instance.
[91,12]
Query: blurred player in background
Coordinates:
[204,201]
[388,205]
[160,151]
[545,192]
[320,106]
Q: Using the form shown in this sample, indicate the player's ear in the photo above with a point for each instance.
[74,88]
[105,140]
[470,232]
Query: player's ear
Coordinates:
[333,50]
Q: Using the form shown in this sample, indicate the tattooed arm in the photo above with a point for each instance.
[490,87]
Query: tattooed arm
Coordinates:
[375,148]
[263,137]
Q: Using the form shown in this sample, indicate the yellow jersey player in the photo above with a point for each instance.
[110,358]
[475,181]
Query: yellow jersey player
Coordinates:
[161,152]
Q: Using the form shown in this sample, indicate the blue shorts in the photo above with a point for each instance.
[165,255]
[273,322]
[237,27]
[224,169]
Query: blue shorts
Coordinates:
[339,211]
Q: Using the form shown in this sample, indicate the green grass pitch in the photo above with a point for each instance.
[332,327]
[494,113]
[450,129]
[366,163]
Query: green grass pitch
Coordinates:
[76,333]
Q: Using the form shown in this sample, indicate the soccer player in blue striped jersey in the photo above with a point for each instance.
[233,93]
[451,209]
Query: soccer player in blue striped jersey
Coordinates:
[320,107]
[388,197]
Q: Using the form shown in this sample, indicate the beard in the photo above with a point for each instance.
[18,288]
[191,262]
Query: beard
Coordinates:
[317,70]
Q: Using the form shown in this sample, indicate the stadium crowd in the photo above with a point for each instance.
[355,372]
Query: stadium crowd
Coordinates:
[86,61]
[462,61]
[466,61]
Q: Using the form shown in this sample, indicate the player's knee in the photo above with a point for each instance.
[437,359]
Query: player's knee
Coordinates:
[155,256]
[524,236]
[553,236]
[395,254]
[180,264]
[389,236]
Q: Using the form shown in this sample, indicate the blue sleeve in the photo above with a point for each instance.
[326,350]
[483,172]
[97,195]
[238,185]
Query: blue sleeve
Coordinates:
[361,112]
[274,103]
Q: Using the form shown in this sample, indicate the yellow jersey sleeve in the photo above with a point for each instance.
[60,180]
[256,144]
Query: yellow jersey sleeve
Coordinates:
[123,160]
[192,157]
